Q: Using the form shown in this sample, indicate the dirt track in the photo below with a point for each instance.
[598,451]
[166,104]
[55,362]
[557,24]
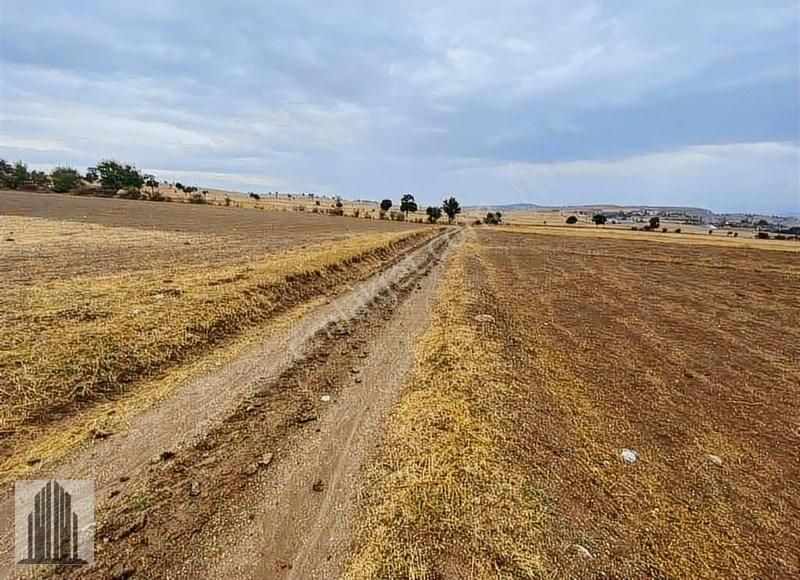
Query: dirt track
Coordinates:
[218,427]
[547,356]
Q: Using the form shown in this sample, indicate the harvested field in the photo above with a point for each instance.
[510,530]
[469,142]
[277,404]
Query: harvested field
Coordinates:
[580,404]
[204,219]
[260,518]
[547,357]
[696,236]
[90,308]
[90,235]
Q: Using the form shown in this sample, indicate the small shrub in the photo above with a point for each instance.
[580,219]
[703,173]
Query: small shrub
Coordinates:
[434,214]
[634,228]
[64,179]
[195,197]
[493,218]
[572,220]
[664,230]
[762,235]
[678,230]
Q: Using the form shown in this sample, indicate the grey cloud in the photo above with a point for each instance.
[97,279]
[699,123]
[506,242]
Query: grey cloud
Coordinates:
[368,98]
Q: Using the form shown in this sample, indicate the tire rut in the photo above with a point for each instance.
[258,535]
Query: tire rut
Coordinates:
[266,492]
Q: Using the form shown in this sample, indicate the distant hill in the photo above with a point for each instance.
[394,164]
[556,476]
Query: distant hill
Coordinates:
[605,207]
[704,215]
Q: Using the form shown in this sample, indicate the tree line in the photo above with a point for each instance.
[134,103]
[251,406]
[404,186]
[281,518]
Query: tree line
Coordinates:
[111,178]
[108,177]
[450,207]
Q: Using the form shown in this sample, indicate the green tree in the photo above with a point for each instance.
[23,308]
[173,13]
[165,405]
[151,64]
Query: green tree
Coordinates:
[655,222]
[64,179]
[115,176]
[408,204]
[6,173]
[434,213]
[151,182]
[451,208]
[599,219]
[572,220]
[21,175]
[386,205]
[14,176]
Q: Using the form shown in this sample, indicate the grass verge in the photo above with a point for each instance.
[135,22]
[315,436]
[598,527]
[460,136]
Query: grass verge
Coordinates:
[444,497]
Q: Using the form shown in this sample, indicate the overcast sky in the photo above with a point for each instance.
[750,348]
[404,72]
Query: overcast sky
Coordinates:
[667,102]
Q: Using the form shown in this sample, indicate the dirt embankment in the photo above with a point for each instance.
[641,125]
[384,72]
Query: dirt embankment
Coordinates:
[265,491]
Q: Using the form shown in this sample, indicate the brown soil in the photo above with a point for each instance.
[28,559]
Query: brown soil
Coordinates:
[546,357]
[147,235]
[687,356]
[177,217]
[565,352]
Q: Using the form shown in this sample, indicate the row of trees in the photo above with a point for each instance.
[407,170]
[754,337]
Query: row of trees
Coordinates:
[450,207]
[111,176]
[601,220]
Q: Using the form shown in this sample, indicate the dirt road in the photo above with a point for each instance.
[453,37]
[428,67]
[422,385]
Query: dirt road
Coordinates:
[259,459]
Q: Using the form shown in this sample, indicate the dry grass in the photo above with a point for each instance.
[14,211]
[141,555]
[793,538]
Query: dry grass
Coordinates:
[688,238]
[74,340]
[46,249]
[37,446]
[443,498]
